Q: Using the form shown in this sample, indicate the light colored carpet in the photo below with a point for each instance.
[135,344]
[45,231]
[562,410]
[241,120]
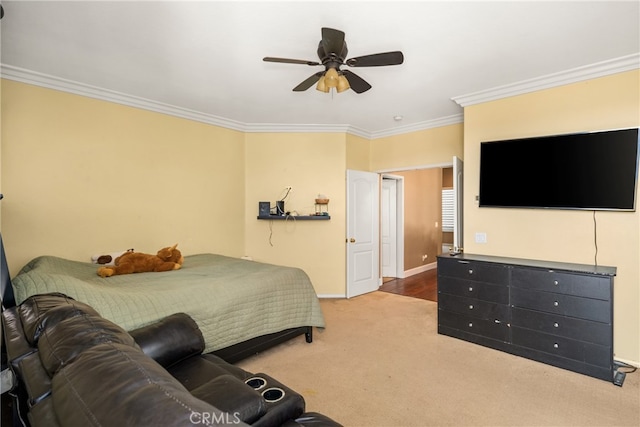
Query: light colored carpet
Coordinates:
[380,362]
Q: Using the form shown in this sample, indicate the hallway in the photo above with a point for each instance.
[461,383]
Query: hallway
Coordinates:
[422,285]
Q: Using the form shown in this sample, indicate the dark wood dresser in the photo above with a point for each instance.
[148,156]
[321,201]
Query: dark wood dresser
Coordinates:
[552,312]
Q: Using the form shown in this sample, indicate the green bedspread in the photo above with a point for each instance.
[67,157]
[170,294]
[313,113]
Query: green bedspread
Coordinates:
[232,300]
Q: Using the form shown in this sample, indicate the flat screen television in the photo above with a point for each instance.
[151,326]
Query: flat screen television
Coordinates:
[590,171]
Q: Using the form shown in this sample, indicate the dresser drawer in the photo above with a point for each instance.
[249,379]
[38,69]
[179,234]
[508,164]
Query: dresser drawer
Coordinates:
[474,307]
[473,270]
[486,328]
[564,305]
[569,327]
[478,290]
[591,286]
[581,351]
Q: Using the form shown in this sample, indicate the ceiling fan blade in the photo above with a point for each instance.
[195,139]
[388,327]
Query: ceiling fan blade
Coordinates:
[377,60]
[356,82]
[309,82]
[332,40]
[290,61]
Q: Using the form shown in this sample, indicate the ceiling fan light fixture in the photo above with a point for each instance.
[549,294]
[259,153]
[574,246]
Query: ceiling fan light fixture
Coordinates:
[322,86]
[332,50]
[331,78]
[343,83]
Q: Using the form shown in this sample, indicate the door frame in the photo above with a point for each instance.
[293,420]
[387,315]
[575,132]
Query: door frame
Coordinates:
[399,273]
[400,204]
[458,190]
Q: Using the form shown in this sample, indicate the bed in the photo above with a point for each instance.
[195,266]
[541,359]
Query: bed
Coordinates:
[240,305]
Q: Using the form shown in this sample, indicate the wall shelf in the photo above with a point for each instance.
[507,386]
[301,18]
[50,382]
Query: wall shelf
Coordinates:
[296,217]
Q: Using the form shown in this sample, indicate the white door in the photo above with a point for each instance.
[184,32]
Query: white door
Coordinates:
[388,227]
[457,208]
[363,233]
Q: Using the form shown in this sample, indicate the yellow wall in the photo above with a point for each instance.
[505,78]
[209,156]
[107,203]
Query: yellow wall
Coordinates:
[312,164]
[605,103]
[358,153]
[435,146]
[82,176]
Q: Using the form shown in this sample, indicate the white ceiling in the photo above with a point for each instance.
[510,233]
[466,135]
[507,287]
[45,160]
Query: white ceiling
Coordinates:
[203,59]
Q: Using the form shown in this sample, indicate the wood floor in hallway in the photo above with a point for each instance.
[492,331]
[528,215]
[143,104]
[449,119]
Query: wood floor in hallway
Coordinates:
[422,285]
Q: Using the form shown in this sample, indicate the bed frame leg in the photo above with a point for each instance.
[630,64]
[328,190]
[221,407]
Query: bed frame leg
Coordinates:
[308,335]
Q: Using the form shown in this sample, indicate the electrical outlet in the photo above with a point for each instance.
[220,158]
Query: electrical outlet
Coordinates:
[425,256]
[481,237]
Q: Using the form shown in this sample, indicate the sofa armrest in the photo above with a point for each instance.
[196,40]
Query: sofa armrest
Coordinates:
[232,395]
[117,385]
[170,340]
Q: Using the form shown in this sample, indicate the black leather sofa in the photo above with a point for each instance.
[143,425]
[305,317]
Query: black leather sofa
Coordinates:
[74,367]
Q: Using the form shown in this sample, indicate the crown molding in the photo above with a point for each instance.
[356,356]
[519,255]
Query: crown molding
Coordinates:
[429,124]
[599,69]
[275,127]
[51,82]
[617,65]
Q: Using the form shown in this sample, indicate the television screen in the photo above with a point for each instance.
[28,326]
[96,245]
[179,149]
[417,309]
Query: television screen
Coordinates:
[591,171]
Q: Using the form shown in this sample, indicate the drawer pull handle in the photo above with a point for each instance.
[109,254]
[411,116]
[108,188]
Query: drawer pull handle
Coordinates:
[555,282]
[470,288]
[555,325]
[556,303]
[470,271]
[471,307]
[471,325]
[556,345]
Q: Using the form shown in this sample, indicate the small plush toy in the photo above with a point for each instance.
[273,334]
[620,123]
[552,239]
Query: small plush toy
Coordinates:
[108,259]
[166,259]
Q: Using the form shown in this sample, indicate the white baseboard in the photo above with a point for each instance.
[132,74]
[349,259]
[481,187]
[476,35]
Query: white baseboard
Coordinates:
[407,273]
[420,269]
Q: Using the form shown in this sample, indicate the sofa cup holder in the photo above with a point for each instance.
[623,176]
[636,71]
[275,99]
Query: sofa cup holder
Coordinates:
[273,394]
[256,383]
[270,394]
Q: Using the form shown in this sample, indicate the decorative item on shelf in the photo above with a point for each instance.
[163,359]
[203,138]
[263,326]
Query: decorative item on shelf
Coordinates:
[264,208]
[322,205]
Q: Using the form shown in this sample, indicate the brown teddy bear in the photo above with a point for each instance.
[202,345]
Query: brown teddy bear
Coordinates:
[166,259]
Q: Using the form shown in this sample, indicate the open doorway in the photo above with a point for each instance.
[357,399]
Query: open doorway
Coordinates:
[420,208]
[431,213]
[410,258]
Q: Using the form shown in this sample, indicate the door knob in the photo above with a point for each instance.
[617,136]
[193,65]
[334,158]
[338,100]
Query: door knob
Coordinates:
[352,240]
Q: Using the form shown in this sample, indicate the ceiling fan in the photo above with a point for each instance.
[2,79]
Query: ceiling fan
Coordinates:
[332,51]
